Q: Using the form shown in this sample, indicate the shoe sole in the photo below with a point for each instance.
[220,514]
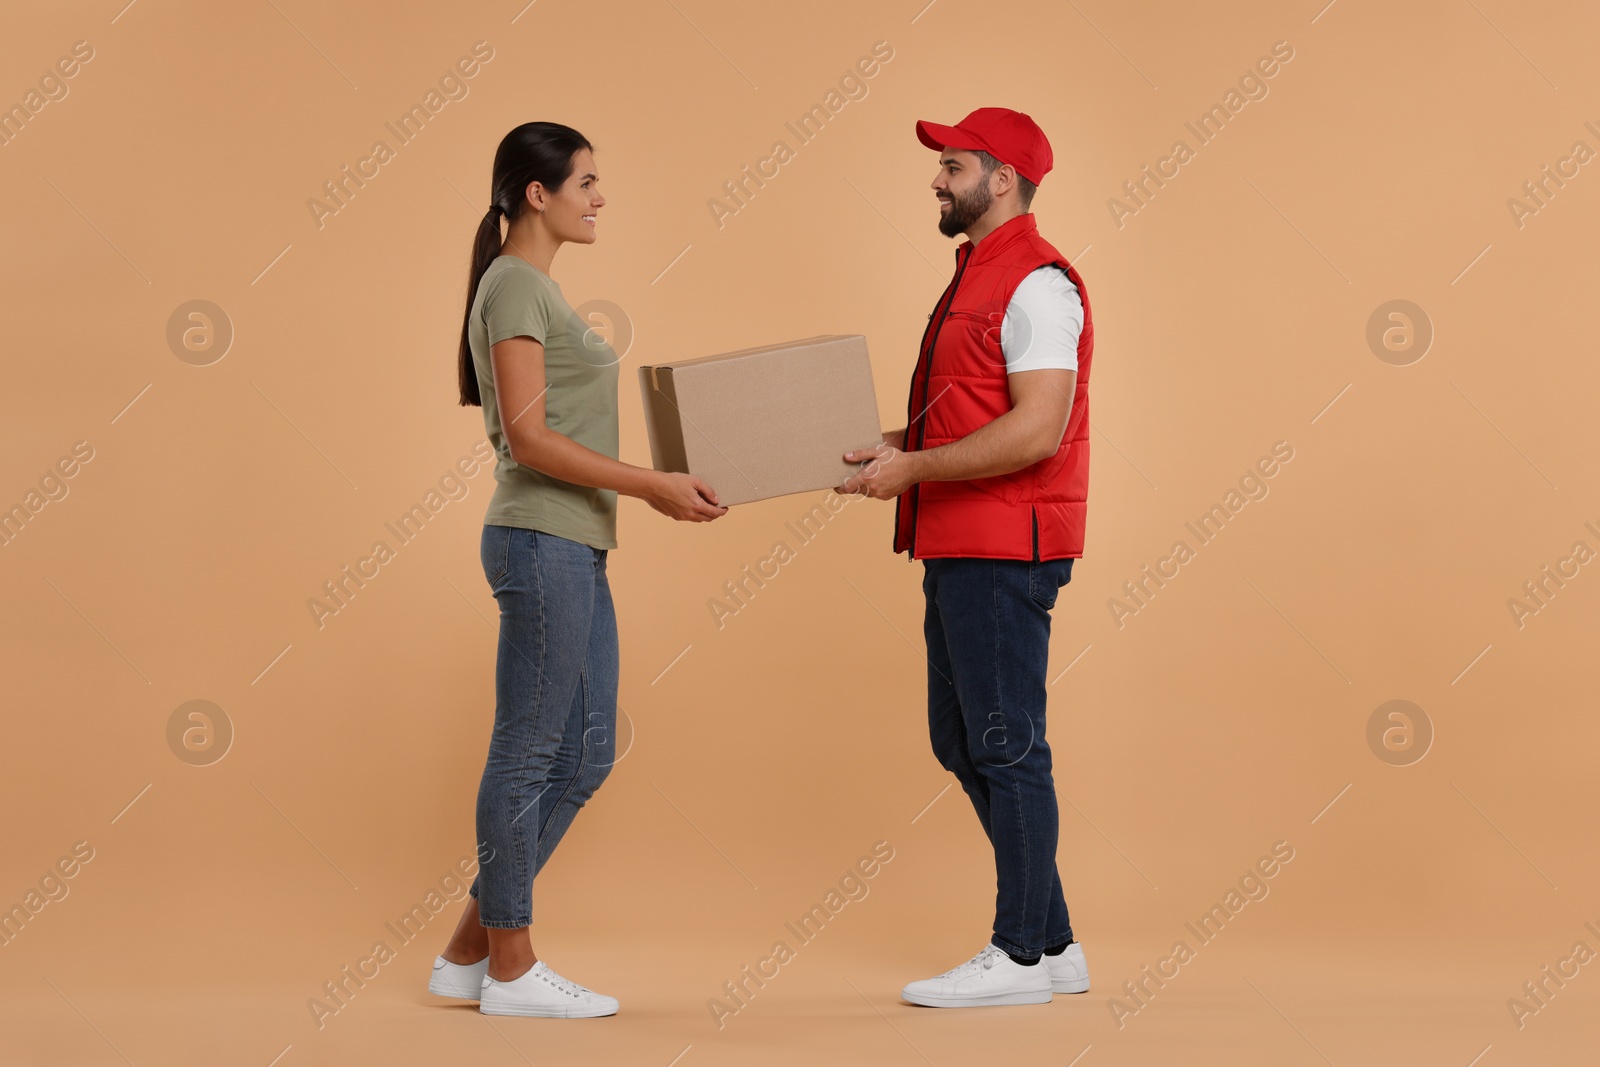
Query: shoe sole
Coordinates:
[440,989]
[544,1013]
[993,1001]
[1071,985]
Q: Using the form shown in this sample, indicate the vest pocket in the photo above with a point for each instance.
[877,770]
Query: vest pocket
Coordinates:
[978,330]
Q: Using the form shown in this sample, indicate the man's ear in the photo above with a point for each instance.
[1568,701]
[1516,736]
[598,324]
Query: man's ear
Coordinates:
[1007,178]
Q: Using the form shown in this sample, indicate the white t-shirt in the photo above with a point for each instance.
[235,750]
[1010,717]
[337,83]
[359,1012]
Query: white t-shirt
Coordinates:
[1042,323]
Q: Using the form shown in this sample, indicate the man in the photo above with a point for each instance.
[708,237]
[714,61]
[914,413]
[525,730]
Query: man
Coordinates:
[991,475]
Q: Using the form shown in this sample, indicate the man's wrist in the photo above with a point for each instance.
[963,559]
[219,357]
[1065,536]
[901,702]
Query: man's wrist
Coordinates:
[917,464]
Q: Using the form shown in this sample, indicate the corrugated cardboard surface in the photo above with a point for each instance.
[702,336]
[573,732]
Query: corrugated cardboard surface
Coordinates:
[763,422]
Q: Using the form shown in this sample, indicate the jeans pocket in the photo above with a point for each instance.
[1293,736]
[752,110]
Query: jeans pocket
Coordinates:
[1046,579]
[494,551]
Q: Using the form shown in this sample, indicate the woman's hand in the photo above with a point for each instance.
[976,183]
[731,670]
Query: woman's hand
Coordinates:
[684,497]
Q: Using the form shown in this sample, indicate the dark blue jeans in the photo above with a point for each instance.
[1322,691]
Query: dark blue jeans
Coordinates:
[988,633]
[555,713]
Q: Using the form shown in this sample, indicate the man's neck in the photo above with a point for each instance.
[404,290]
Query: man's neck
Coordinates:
[986,225]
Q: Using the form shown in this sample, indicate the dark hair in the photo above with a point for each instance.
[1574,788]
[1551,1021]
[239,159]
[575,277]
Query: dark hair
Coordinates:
[533,152]
[1025,188]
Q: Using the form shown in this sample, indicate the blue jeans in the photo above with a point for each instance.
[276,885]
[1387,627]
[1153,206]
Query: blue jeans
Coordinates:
[555,709]
[988,633]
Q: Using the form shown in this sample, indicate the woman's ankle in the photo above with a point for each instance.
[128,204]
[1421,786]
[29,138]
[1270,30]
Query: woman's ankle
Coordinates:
[465,955]
[510,953]
[511,970]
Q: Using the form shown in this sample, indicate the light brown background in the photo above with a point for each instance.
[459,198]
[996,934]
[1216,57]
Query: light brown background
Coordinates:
[1224,717]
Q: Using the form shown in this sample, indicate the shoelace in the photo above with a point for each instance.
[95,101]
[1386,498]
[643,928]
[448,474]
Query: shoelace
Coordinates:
[984,960]
[566,985]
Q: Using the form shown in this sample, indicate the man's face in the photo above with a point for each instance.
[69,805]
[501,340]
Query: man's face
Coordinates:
[963,191]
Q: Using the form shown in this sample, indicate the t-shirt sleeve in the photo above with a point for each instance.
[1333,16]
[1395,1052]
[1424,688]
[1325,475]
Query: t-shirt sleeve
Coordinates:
[516,306]
[1042,323]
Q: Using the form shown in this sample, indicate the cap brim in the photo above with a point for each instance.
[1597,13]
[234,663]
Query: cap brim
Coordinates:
[939,137]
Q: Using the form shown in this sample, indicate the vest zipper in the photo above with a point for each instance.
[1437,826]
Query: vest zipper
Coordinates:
[926,360]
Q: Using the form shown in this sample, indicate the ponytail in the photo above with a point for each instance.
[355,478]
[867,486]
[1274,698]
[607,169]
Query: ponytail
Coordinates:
[533,152]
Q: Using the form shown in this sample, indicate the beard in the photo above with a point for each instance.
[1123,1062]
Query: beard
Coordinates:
[965,209]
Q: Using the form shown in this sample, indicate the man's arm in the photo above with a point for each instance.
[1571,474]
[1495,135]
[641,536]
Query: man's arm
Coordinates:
[1041,404]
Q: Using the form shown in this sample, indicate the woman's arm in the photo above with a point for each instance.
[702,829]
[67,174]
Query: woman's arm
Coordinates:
[518,364]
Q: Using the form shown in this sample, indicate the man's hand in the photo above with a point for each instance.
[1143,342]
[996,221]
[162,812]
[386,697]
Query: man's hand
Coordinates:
[888,472]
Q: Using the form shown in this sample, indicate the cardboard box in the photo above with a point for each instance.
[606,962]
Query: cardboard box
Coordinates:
[763,422]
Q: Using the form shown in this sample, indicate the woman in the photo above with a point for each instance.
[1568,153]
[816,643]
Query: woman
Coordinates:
[548,388]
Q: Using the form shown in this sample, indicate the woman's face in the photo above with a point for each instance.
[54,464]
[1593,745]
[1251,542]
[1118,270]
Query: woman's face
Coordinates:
[569,212]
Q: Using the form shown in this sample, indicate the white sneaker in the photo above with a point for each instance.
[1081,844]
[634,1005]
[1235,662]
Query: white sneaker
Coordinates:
[1068,971]
[464,980]
[991,977]
[542,992]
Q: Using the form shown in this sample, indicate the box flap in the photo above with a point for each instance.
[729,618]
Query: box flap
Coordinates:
[762,349]
[662,425]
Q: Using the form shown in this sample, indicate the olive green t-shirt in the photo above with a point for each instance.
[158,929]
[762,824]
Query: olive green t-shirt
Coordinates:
[516,299]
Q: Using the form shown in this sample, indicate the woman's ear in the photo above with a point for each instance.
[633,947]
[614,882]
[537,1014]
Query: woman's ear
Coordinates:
[535,195]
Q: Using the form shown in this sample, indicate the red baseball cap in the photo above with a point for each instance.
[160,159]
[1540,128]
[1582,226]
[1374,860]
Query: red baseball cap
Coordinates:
[1009,136]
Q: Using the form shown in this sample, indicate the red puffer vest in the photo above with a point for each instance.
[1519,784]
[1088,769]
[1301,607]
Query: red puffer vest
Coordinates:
[1036,513]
